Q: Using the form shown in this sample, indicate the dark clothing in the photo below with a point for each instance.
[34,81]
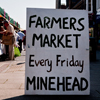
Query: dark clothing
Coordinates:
[24,40]
[1,36]
[1,31]
[21,34]
[20,45]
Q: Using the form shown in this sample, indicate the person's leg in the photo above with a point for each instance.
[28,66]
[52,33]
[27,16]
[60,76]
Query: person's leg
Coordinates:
[20,45]
[11,52]
[3,56]
[7,50]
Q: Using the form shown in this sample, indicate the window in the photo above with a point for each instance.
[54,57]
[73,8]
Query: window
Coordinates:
[89,5]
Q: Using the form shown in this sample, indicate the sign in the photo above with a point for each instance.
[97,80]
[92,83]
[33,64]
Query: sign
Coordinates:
[57,53]
[97,19]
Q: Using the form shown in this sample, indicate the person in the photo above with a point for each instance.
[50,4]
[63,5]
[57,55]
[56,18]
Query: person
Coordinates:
[63,6]
[10,31]
[2,46]
[2,55]
[21,34]
[24,41]
[16,39]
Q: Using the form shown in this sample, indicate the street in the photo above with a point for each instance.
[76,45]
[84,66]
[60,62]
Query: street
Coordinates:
[12,80]
[12,75]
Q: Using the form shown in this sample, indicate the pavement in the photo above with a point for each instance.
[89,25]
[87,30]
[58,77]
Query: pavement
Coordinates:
[12,80]
[12,76]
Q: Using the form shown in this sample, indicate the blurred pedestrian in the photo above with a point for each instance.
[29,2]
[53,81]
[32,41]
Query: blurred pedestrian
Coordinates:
[1,29]
[63,6]
[10,31]
[16,39]
[2,46]
[21,34]
[24,41]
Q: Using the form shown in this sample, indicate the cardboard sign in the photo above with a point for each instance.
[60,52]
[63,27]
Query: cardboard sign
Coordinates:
[57,53]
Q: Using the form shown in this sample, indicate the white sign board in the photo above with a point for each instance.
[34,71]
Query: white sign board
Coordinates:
[57,53]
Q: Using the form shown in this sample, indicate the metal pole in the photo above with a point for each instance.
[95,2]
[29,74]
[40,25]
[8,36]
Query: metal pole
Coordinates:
[94,17]
[94,28]
[58,4]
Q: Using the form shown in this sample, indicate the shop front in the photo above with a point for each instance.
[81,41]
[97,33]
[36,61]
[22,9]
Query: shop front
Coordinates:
[98,27]
[4,15]
[92,39]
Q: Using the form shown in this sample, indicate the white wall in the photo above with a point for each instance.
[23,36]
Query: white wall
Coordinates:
[98,4]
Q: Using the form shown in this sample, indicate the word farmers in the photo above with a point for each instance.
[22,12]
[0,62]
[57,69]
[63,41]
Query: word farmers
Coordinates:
[63,23]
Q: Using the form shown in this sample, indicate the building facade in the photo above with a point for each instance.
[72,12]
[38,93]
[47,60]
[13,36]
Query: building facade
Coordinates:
[93,8]
[80,4]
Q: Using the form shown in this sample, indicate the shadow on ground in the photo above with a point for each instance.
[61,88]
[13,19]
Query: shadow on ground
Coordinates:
[20,63]
[94,87]
[52,97]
